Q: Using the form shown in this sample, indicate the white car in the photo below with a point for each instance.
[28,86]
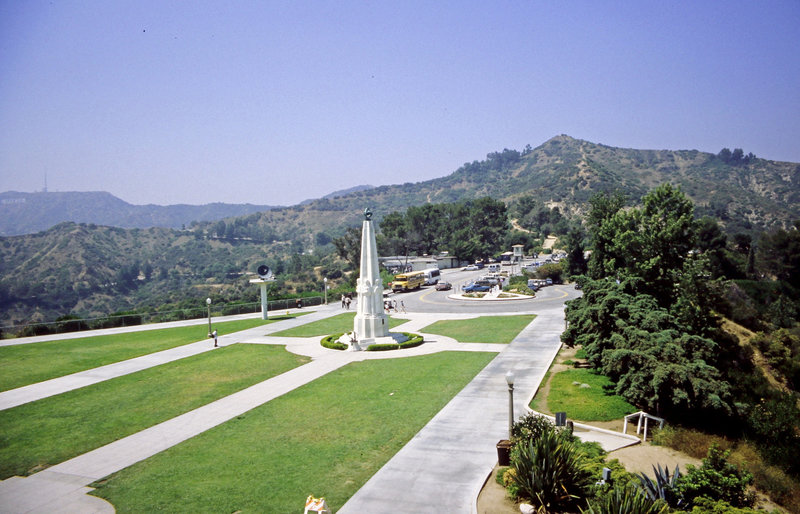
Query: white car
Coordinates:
[471,267]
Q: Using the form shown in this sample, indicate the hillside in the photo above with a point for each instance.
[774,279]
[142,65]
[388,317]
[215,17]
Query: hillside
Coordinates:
[88,269]
[27,213]
[565,172]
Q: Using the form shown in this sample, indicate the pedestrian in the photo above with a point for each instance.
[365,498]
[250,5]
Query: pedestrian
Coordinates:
[394,305]
[402,306]
[343,302]
[214,335]
[347,303]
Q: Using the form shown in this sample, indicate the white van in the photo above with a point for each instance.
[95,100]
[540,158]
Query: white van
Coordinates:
[432,276]
[493,268]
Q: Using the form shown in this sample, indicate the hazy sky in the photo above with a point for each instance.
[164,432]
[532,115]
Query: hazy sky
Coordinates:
[274,102]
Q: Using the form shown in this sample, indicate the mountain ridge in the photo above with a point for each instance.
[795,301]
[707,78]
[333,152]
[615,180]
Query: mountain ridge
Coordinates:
[28,213]
[90,269]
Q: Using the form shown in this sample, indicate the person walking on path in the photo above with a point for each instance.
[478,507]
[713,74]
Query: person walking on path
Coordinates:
[214,335]
[343,302]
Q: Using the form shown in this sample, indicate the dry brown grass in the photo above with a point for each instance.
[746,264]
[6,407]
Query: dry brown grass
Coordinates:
[769,480]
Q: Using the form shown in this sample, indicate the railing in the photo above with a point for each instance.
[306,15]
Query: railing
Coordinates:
[142,318]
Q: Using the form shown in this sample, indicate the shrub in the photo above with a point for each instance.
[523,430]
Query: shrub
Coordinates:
[332,342]
[626,499]
[549,471]
[383,347]
[708,506]
[509,482]
[716,479]
[774,423]
[412,341]
[529,427]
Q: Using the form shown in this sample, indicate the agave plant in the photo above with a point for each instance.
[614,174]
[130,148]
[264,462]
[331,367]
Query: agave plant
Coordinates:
[627,499]
[550,472]
[664,487]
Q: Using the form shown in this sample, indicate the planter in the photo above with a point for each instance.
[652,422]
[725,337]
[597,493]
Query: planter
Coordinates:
[504,452]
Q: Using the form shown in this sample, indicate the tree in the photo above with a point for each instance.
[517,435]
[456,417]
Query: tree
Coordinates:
[348,247]
[321,239]
[669,232]
[603,207]
[779,254]
[393,239]
[524,205]
[576,262]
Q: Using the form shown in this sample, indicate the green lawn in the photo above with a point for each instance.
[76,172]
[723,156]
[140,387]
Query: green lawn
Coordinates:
[338,324]
[30,363]
[484,329]
[569,393]
[55,429]
[326,438]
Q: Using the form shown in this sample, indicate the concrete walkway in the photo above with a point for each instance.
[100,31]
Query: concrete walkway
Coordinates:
[441,469]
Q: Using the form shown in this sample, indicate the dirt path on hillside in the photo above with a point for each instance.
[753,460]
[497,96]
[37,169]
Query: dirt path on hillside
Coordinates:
[515,224]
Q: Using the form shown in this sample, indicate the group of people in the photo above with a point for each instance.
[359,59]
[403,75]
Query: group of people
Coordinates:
[388,305]
[391,305]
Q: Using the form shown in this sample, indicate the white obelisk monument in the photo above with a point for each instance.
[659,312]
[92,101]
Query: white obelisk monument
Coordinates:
[371,322]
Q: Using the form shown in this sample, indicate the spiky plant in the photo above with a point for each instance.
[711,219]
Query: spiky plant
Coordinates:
[664,487]
[626,499]
[550,472]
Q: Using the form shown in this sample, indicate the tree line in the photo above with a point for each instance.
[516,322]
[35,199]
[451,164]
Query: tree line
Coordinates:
[650,319]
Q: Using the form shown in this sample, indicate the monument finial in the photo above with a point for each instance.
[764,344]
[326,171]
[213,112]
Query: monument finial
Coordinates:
[368,214]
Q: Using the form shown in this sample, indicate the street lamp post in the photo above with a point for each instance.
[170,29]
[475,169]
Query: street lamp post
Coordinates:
[325,280]
[510,382]
[208,304]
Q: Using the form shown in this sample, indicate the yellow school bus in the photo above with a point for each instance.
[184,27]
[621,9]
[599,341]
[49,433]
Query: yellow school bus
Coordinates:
[408,281]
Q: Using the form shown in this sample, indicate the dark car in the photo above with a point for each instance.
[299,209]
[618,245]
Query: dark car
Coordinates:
[476,288]
[443,286]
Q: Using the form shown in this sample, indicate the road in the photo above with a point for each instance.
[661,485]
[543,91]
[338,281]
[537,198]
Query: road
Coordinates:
[429,300]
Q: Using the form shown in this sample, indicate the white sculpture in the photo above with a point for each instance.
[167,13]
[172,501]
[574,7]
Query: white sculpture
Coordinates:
[371,324]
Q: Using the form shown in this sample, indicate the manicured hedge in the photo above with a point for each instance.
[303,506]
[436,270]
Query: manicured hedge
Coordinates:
[413,340]
[332,342]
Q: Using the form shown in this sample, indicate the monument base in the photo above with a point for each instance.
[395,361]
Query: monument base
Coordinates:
[371,326]
[363,344]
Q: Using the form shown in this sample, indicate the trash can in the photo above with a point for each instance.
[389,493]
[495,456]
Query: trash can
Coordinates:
[504,452]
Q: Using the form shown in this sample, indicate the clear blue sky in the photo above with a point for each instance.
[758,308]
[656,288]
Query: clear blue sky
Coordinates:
[274,102]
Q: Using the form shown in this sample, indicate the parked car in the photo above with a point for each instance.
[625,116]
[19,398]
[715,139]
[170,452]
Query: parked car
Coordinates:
[444,286]
[471,267]
[475,287]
